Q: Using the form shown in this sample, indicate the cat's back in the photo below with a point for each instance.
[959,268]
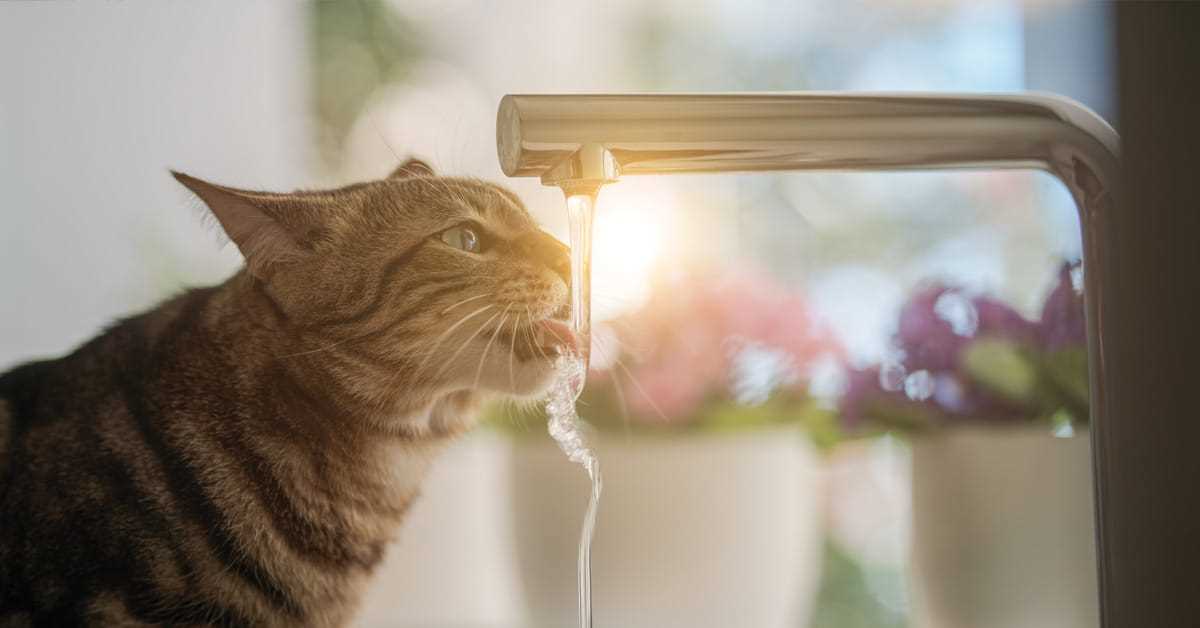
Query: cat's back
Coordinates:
[20,390]
[76,484]
[52,404]
[59,402]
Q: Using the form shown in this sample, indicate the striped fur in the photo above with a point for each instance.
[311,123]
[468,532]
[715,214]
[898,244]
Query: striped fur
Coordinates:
[243,454]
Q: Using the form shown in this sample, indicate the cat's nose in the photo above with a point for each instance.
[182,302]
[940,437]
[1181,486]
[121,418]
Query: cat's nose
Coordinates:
[545,249]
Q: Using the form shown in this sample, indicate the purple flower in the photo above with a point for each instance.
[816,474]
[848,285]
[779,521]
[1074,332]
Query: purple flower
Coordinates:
[927,339]
[958,397]
[998,320]
[939,321]
[1062,323]
[862,390]
[962,358]
[865,402]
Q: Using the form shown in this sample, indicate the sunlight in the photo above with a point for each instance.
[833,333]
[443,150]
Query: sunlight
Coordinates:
[627,243]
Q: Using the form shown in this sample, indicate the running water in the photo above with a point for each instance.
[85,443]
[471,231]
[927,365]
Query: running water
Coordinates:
[579,212]
[564,423]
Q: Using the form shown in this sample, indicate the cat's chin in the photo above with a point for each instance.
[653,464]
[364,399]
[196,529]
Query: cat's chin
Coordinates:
[527,380]
[536,378]
[525,366]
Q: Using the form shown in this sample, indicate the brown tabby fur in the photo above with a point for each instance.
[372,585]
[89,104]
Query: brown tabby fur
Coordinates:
[242,454]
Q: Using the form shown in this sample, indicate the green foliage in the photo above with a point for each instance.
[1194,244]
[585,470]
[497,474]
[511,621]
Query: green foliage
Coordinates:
[847,597]
[1052,385]
[358,46]
[1002,367]
[719,415]
[1068,370]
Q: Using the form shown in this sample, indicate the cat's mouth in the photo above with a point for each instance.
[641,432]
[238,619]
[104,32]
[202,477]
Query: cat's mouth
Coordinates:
[543,340]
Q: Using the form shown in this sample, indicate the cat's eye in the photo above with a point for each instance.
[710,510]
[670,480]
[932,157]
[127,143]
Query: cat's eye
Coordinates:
[464,238]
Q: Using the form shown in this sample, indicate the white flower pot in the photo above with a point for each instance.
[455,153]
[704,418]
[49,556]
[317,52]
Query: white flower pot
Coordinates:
[1003,530]
[697,530]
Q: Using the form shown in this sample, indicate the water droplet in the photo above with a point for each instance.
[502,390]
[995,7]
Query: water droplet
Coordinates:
[891,376]
[564,425]
[1077,278]
[948,392]
[919,385]
[1061,424]
[957,310]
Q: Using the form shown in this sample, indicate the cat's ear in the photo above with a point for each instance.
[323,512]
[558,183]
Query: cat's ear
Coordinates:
[412,168]
[269,229]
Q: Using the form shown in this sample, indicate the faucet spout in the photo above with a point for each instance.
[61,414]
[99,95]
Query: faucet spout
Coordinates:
[584,171]
[587,140]
[576,167]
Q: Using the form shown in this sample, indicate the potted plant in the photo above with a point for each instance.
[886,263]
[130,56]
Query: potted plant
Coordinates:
[710,512]
[997,408]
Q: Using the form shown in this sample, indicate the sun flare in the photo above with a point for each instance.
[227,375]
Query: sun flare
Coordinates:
[627,244]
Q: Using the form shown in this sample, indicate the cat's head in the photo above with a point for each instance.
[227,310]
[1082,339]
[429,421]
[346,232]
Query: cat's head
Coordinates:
[413,284]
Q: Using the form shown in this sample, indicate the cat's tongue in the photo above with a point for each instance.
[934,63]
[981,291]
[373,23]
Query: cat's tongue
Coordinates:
[558,334]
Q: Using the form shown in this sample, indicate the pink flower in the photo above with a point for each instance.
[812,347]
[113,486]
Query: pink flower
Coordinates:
[665,395]
[682,344]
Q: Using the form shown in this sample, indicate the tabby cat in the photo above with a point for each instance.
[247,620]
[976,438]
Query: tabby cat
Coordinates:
[243,454]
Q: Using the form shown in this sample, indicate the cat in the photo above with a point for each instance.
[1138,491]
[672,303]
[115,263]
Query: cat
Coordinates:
[243,454]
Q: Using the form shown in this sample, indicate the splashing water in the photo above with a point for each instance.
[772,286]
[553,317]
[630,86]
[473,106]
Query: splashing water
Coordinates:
[568,430]
[564,425]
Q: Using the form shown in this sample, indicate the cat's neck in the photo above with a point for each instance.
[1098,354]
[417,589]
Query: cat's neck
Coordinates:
[330,440]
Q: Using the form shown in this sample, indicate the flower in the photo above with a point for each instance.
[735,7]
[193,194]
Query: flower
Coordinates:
[975,358]
[1062,323]
[707,336]
[938,321]
[862,391]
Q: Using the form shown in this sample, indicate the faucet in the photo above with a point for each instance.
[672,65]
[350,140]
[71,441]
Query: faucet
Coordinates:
[582,142]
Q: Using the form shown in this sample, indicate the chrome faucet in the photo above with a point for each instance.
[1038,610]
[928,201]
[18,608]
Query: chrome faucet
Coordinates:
[581,142]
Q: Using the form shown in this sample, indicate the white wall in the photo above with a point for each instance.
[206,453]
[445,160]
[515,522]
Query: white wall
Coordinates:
[97,101]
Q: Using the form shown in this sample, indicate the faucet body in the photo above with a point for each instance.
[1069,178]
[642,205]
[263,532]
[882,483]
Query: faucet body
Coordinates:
[581,142]
[572,139]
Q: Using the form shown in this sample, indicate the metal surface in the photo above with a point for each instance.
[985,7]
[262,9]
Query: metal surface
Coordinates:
[546,135]
[559,138]
[1150,323]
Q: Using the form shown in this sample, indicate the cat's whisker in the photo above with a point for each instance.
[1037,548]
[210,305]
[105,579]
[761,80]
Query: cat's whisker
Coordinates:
[621,402]
[415,375]
[488,346]
[319,349]
[641,390]
[512,350]
[428,354]
[448,363]
[383,139]
[466,300]
[443,185]
[441,337]
[536,347]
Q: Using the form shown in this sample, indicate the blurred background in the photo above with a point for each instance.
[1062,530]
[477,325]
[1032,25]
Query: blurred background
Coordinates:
[786,364]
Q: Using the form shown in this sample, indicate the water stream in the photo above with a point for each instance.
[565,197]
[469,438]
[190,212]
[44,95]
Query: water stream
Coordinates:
[564,424]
